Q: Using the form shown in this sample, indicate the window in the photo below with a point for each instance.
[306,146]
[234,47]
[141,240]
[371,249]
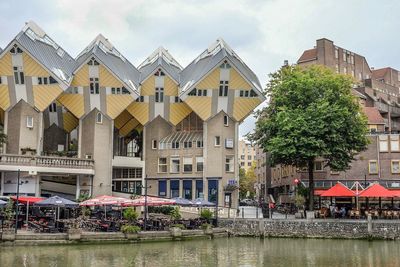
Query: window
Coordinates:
[187,144]
[198,92]
[159,94]
[249,164]
[242,157]
[242,164]
[159,73]
[394,143]
[247,93]
[99,117]
[178,100]
[29,121]
[249,157]
[395,166]
[162,188]
[373,167]
[199,164]
[187,164]
[199,144]
[352,59]
[153,144]
[217,141]
[19,77]
[345,70]
[187,189]
[344,55]
[175,165]
[226,121]
[229,163]
[241,93]
[353,73]
[336,52]
[174,188]
[223,88]
[15,50]
[53,107]
[94,86]
[175,145]
[383,143]
[140,99]
[225,65]
[0,80]
[52,80]
[318,166]
[199,189]
[93,62]
[162,165]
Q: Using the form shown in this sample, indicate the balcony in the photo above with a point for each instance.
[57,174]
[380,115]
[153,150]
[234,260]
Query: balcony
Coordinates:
[127,162]
[43,164]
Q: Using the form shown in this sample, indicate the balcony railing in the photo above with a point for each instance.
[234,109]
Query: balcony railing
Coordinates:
[41,161]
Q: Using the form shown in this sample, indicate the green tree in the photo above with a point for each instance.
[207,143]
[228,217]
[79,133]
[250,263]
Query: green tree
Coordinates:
[312,114]
[247,179]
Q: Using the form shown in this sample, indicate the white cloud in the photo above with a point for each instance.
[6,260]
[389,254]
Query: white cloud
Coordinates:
[263,33]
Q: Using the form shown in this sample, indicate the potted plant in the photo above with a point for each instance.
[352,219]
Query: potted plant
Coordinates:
[207,215]
[28,151]
[299,202]
[175,214]
[130,231]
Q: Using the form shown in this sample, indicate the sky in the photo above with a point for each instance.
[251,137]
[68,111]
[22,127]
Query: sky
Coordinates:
[263,33]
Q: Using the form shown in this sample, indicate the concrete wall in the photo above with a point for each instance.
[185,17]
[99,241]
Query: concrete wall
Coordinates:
[54,136]
[346,229]
[19,136]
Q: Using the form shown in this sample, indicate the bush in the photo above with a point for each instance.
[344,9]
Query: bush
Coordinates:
[205,226]
[206,214]
[130,214]
[179,225]
[175,214]
[163,210]
[130,229]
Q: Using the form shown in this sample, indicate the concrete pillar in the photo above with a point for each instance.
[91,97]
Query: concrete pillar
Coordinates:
[193,189]
[5,130]
[369,219]
[78,186]
[39,147]
[37,186]
[180,188]
[2,184]
[205,167]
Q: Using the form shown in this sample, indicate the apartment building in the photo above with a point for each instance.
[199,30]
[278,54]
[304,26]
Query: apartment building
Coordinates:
[247,154]
[378,93]
[96,124]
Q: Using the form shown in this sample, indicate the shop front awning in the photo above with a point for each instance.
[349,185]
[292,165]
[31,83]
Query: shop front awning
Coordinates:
[338,190]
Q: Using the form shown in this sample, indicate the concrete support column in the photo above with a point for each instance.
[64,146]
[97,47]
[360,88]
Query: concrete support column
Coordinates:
[91,186]
[80,139]
[193,189]
[2,184]
[205,154]
[39,147]
[78,186]
[37,186]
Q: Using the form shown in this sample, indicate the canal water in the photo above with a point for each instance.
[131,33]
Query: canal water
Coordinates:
[217,252]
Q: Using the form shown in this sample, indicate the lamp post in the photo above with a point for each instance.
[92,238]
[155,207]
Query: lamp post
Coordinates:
[145,202]
[16,209]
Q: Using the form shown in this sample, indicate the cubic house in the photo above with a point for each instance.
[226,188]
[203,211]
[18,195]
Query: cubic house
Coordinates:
[98,125]
[378,94]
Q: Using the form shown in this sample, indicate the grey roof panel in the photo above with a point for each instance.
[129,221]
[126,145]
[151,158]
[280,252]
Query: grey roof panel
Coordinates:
[109,56]
[209,59]
[51,56]
[160,58]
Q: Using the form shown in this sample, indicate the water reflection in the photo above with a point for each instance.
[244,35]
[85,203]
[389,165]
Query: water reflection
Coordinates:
[218,252]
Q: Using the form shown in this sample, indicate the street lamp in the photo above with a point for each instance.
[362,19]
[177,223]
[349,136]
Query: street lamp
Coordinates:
[17,201]
[145,201]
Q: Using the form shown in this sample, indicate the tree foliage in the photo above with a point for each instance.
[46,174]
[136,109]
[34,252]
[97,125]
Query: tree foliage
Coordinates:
[3,136]
[312,114]
[247,179]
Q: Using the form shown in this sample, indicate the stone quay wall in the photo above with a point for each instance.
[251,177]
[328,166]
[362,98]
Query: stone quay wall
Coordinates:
[313,228]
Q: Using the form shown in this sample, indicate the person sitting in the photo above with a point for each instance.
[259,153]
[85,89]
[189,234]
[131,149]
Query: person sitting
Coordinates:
[343,212]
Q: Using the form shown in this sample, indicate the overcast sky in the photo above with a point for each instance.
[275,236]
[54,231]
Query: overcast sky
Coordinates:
[263,33]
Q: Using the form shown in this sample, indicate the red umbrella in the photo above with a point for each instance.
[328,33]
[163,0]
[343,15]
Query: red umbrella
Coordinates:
[151,201]
[339,190]
[105,200]
[376,190]
[25,200]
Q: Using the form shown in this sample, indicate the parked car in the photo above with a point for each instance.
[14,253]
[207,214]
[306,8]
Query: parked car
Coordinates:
[248,202]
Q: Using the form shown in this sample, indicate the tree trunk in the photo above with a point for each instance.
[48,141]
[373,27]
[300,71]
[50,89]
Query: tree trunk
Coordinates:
[311,185]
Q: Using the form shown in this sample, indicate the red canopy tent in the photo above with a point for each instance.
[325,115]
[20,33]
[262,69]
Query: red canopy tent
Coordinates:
[338,190]
[25,199]
[376,190]
[105,200]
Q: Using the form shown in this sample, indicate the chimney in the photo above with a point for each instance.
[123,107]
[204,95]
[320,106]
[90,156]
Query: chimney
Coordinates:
[372,68]
[286,63]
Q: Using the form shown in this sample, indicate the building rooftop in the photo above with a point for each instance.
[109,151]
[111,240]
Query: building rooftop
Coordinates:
[308,55]
[373,115]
